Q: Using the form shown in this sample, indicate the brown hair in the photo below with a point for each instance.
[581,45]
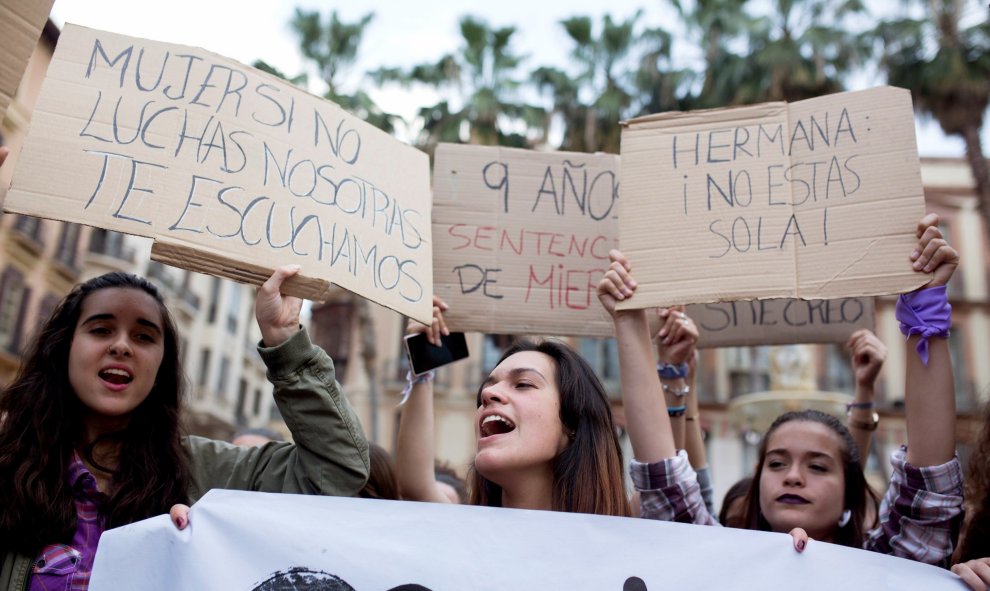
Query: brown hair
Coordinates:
[587,474]
[858,494]
[381,479]
[975,542]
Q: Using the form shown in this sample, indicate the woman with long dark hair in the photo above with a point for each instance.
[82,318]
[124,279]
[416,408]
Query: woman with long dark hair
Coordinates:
[544,430]
[90,436]
[809,479]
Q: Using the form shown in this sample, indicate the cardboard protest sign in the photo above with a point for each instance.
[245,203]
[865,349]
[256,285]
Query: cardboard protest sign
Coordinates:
[780,322]
[21,22]
[522,238]
[263,542]
[817,199]
[232,171]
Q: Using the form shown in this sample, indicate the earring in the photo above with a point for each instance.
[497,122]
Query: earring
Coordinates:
[846,516]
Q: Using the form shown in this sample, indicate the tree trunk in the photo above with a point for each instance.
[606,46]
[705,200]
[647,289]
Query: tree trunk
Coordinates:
[981,171]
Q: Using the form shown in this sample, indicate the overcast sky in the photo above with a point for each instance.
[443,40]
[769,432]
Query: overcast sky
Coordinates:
[402,33]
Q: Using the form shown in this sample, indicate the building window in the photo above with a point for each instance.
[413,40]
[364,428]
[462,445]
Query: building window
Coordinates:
[492,347]
[838,369]
[256,407]
[108,243]
[234,303]
[68,245]
[603,357]
[14,295]
[222,378]
[29,226]
[965,388]
[45,309]
[211,316]
[241,403]
[204,367]
[749,369]
[332,332]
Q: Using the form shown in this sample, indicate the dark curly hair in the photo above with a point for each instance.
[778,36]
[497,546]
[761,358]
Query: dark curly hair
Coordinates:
[40,428]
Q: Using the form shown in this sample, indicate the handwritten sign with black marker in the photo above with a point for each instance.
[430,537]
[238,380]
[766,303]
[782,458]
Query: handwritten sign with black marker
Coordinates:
[817,199]
[522,238]
[230,170]
[780,322]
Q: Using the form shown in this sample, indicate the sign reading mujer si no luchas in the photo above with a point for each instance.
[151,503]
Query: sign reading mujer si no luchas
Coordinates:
[232,171]
[817,199]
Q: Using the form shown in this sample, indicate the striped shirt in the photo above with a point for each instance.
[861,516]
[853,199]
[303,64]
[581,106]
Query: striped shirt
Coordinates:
[67,567]
[919,518]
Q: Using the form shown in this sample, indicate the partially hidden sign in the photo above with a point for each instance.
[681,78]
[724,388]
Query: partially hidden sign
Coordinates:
[817,199]
[21,22]
[522,238]
[780,322]
[232,171]
[246,541]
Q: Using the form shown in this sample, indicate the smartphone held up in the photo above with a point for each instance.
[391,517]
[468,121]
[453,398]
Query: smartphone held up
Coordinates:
[424,356]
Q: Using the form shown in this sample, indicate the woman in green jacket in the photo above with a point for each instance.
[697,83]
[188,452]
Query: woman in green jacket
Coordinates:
[90,436]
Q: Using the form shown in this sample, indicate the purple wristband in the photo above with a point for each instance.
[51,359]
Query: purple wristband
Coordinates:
[926,313]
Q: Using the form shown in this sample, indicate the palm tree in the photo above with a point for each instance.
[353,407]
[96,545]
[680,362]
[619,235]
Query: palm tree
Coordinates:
[622,72]
[601,60]
[716,26]
[946,66]
[333,47]
[800,49]
[487,110]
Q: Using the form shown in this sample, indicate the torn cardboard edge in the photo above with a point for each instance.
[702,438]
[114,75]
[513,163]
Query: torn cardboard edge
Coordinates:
[213,263]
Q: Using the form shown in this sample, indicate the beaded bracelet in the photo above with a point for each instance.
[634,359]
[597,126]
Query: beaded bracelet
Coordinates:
[669,371]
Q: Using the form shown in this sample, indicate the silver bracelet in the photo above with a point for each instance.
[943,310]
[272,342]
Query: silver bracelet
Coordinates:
[679,392]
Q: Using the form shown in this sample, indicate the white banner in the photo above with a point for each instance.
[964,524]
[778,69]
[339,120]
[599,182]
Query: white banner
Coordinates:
[241,541]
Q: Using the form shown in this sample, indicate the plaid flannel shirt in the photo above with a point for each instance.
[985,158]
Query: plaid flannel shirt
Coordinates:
[68,567]
[919,518]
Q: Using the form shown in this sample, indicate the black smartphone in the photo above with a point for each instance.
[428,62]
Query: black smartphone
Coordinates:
[424,356]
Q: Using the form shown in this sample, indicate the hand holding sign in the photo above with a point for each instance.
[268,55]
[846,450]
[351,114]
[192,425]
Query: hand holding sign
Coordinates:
[278,315]
[436,329]
[975,573]
[933,252]
[617,284]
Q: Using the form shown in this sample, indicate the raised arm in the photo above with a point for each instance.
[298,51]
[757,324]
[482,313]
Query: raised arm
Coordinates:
[415,455]
[646,417]
[667,485]
[921,512]
[867,353]
[329,455]
[929,389]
